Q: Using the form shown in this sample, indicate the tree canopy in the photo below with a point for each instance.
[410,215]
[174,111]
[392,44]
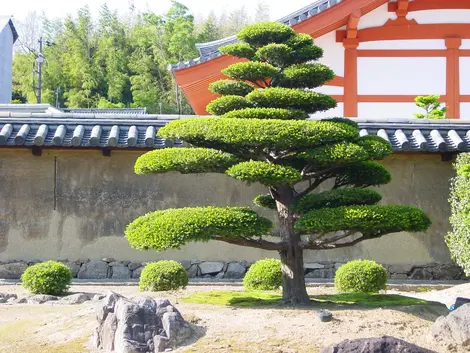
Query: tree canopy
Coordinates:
[263,135]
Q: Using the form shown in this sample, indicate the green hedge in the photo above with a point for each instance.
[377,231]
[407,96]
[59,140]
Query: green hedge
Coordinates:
[361,276]
[252,71]
[172,228]
[264,274]
[163,275]
[291,98]
[264,33]
[226,104]
[377,147]
[362,174]
[49,277]
[309,75]
[230,87]
[267,113]
[345,121]
[275,54]
[257,133]
[184,160]
[265,201]
[338,153]
[370,220]
[458,240]
[336,198]
[240,50]
[265,173]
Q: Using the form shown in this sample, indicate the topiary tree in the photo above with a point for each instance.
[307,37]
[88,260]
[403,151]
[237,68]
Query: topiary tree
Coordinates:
[432,107]
[261,135]
[458,240]
[361,276]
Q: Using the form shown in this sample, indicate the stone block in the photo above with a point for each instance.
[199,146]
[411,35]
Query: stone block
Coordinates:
[186,264]
[193,271]
[211,267]
[121,272]
[313,266]
[12,270]
[399,268]
[420,273]
[235,270]
[136,273]
[73,266]
[134,265]
[94,270]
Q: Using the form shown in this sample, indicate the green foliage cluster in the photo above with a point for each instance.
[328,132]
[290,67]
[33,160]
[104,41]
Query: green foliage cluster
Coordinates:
[49,277]
[432,106]
[274,54]
[172,228]
[184,160]
[458,240]
[237,88]
[265,201]
[370,220]
[266,33]
[226,104]
[309,75]
[264,173]
[252,71]
[267,113]
[264,274]
[163,275]
[336,198]
[253,133]
[361,276]
[362,174]
[240,50]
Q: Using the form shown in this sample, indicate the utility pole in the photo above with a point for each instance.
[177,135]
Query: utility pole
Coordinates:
[40,60]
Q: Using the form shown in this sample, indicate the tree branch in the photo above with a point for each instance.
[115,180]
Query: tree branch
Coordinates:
[253,243]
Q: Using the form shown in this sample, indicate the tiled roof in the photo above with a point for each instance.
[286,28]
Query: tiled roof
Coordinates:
[210,50]
[114,111]
[139,131]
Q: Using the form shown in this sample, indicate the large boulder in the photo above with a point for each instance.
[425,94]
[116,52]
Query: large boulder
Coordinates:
[454,328]
[12,270]
[94,270]
[4,297]
[211,267]
[385,344]
[235,270]
[143,325]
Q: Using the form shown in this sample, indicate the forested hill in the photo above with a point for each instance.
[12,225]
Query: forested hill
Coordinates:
[110,60]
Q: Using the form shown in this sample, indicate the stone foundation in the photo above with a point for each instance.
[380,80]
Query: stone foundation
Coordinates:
[121,270]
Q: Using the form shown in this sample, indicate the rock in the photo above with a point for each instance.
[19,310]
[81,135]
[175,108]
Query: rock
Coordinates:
[136,273]
[73,266]
[22,301]
[313,266]
[398,276]
[385,344]
[134,265]
[12,270]
[4,297]
[108,259]
[94,270]
[399,269]
[322,273]
[116,263]
[97,297]
[41,298]
[143,325]
[219,275]
[453,328]
[193,271]
[338,265]
[447,272]
[121,272]
[235,270]
[210,267]
[77,298]
[420,273]
[125,263]
[186,264]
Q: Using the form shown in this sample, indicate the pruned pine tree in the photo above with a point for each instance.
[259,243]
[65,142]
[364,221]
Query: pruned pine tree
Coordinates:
[260,134]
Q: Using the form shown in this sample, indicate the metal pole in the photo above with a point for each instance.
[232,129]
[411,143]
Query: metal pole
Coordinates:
[40,62]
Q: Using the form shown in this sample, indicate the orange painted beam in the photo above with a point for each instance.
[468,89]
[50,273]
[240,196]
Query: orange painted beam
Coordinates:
[338,81]
[423,5]
[399,53]
[353,22]
[453,77]
[464,52]
[350,77]
[465,99]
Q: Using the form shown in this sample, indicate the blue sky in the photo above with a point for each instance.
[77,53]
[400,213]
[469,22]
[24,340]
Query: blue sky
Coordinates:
[58,8]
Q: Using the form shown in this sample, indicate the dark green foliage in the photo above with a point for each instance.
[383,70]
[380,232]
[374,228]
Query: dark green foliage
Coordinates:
[275,54]
[267,113]
[339,153]
[264,274]
[458,240]
[252,71]
[377,147]
[304,48]
[279,97]
[336,198]
[172,228]
[226,104]
[163,275]
[264,33]
[240,50]
[346,121]
[362,174]
[184,160]
[265,173]
[236,88]
[265,201]
[49,277]
[304,76]
[271,134]
[369,220]
[361,276]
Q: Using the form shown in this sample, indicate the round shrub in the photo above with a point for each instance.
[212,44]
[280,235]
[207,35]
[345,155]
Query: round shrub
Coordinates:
[49,277]
[361,276]
[163,275]
[264,274]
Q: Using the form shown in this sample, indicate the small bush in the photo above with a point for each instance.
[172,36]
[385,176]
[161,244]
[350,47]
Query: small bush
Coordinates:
[360,276]
[264,274]
[49,277]
[163,275]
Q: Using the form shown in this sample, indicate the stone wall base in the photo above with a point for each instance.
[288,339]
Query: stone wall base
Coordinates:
[122,270]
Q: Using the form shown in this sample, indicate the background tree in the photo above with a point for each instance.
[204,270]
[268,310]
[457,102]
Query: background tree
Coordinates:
[261,135]
[432,107]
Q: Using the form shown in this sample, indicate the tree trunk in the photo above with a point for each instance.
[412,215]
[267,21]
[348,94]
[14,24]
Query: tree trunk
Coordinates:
[293,279]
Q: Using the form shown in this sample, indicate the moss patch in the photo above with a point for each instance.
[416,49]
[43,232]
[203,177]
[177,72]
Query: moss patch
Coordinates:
[247,299]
